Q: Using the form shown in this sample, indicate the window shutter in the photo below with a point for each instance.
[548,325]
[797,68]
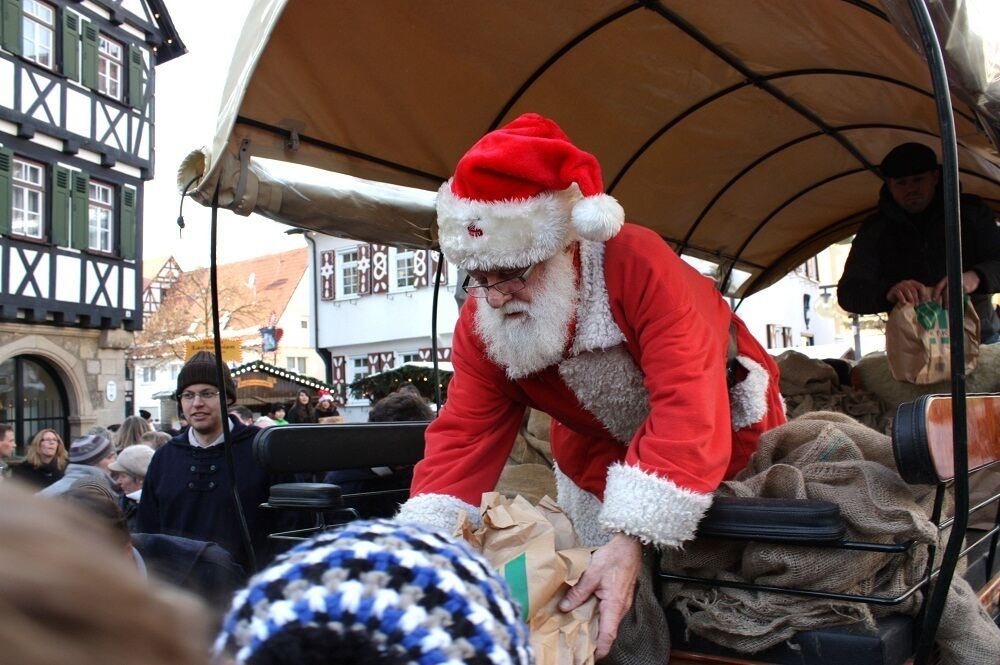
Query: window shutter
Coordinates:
[80,234]
[421,274]
[61,194]
[88,54]
[327,275]
[6,189]
[136,77]
[71,45]
[126,234]
[380,268]
[11,29]
[364,270]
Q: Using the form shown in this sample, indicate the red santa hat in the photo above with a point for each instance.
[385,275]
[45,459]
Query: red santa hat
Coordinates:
[519,195]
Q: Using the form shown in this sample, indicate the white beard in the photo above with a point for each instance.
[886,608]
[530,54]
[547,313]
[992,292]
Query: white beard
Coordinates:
[530,343]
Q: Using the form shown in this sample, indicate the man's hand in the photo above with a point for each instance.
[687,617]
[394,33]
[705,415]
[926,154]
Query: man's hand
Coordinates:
[907,292]
[970,282]
[611,577]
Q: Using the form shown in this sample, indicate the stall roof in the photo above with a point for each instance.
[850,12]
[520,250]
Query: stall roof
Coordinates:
[745,137]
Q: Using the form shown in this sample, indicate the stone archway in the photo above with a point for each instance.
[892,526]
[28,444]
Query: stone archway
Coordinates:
[68,368]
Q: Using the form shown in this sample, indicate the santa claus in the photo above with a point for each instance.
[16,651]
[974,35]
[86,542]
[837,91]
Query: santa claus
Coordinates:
[657,391]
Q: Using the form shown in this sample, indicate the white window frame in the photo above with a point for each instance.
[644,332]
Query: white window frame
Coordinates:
[406,357]
[175,371]
[28,199]
[148,374]
[101,218]
[110,64]
[38,33]
[353,375]
[348,267]
[296,364]
[409,277]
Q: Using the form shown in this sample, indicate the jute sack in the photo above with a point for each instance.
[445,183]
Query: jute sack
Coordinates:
[825,456]
[918,342]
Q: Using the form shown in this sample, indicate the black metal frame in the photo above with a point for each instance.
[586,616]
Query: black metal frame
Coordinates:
[20,431]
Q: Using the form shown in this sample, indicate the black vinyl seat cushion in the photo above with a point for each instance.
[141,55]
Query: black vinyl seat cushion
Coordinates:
[892,644]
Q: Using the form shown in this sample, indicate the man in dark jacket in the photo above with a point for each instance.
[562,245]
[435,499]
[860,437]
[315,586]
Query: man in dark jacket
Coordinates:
[898,255]
[187,491]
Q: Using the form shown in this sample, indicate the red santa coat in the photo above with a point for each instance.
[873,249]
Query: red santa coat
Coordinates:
[642,426]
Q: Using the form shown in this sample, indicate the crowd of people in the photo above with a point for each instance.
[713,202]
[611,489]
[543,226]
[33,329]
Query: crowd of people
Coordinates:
[164,502]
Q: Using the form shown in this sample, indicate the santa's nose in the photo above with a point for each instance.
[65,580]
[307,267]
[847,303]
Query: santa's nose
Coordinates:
[497,299]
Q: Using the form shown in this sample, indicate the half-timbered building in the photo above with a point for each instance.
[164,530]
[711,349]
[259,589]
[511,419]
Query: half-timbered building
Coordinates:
[76,146]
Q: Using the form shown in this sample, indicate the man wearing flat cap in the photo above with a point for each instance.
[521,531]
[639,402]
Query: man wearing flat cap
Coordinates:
[187,491]
[898,256]
[601,325]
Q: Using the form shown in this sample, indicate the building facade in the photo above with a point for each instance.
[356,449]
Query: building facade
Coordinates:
[374,307]
[76,146]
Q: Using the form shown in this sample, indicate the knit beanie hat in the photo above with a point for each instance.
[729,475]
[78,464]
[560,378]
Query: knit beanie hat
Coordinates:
[375,592]
[519,195]
[89,449]
[201,368]
[908,159]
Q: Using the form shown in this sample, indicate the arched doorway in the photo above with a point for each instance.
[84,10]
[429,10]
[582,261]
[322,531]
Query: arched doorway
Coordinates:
[32,398]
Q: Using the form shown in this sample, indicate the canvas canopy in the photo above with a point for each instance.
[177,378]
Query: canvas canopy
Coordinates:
[745,133]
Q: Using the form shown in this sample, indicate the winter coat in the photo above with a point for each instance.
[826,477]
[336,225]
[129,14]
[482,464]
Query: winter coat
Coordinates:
[75,472]
[301,414]
[894,245]
[187,493]
[640,411]
[38,477]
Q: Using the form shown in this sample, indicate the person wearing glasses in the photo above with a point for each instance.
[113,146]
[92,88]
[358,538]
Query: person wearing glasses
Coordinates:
[601,325]
[187,491]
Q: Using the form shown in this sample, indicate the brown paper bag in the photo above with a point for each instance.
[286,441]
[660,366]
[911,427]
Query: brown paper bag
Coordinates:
[538,553]
[918,343]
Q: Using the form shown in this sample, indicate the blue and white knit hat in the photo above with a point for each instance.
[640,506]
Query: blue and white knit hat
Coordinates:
[375,592]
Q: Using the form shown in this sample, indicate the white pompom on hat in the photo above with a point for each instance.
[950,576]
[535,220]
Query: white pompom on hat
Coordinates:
[520,195]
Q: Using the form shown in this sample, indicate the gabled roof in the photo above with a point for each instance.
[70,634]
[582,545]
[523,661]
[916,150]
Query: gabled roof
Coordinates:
[267,368]
[167,44]
[250,292]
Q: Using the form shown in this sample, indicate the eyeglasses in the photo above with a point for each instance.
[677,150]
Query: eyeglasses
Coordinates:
[505,286]
[205,395]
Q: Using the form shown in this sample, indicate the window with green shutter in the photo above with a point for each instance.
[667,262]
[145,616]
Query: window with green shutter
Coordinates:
[71,45]
[6,188]
[136,77]
[61,196]
[80,230]
[10,30]
[126,236]
[89,37]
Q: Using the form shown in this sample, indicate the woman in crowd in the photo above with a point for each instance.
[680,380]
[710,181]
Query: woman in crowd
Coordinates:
[302,411]
[154,440]
[44,461]
[130,433]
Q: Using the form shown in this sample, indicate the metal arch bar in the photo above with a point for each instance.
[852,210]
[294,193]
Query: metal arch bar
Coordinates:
[760,81]
[812,71]
[861,4]
[782,206]
[934,606]
[566,48]
[333,147]
[829,230]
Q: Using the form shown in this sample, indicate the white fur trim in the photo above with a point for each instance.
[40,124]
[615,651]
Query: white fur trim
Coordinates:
[437,511]
[599,217]
[651,508]
[481,235]
[595,325]
[582,508]
[609,384]
[748,398]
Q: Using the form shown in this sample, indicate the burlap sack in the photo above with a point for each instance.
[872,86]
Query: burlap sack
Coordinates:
[824,456]
[918,342]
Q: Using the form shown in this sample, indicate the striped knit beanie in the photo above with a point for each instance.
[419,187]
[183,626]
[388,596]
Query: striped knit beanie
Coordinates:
[375,592]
